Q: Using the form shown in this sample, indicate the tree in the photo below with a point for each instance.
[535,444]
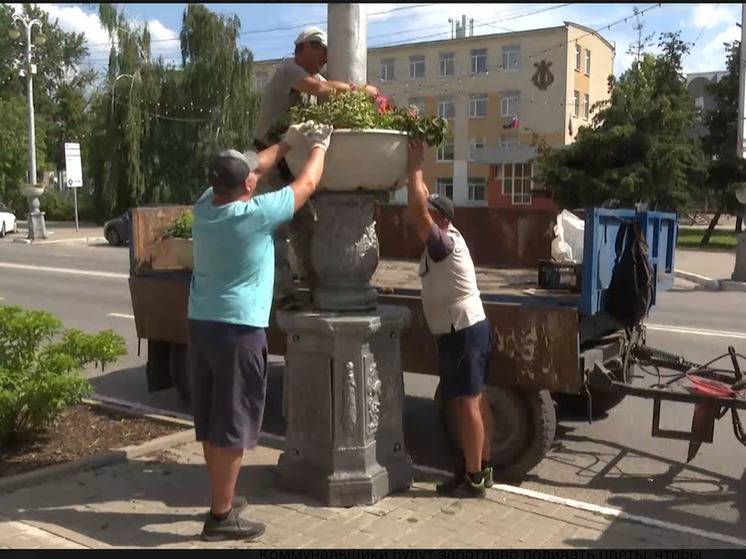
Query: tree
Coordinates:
[637,150]
[725,168]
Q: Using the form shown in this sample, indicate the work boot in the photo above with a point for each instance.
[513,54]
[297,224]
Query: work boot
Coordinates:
[233,527]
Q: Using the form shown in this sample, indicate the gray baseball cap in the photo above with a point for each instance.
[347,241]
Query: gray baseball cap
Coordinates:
[311,34]
[230,168]
[442,205]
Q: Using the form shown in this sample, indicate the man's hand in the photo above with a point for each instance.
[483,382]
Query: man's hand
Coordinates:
[295,136]
[318,135]
[371,90]
[416,153]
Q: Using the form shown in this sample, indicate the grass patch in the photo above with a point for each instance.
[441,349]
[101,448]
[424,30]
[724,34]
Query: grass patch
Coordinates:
[721,239]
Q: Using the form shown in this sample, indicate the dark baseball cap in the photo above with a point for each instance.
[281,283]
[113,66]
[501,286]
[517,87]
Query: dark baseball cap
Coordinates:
[442,205]
[230,168]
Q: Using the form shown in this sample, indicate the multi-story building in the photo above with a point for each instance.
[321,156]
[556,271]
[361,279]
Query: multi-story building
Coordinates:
[696,85]
[496,91]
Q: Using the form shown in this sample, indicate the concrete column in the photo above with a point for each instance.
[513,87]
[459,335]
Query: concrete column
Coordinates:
[348,43]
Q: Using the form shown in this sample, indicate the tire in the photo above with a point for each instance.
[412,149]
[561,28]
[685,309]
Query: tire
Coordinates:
[601,401]
[525,423]
[112,237]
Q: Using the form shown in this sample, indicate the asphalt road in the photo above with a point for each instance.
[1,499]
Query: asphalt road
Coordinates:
[613,462]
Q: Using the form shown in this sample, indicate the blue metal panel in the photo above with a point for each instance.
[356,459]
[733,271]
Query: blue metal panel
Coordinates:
[599,251]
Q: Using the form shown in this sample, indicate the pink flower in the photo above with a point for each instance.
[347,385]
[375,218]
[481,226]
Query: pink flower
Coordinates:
[382,104]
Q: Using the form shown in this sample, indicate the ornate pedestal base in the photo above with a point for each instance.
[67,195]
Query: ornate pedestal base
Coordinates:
[37,228]
[343,397]
[344,251]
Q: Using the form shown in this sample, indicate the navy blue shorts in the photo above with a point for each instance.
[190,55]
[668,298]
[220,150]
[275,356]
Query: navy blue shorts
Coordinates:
[464,360]
[228,374]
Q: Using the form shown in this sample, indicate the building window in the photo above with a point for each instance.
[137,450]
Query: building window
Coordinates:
[446,108]
[508,143]
[576,104]
[445,187]
[447,64]
[474,145]
[260,81]
[587,62]
[509,104]
[586,106]
[511,58]
[577,56]
[699,103]
[387,70]
[417,66]
[445,151]
[516,182]
[478,105]
[419,104]
[477,189]
[478,61]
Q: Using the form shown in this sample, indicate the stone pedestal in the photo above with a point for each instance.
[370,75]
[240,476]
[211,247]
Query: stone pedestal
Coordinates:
[739,274]
[343,397]
[37,228]
[344,251]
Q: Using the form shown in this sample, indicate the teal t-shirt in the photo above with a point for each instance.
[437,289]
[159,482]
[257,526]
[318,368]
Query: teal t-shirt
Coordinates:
[234,258]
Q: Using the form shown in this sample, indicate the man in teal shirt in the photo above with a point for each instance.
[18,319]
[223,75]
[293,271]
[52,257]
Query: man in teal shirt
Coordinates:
[229,303]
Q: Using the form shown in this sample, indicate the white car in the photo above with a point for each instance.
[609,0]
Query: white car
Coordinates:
[7,221]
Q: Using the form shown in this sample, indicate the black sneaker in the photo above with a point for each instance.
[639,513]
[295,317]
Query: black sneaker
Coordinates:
[462,487]
[489,479]
[232,528]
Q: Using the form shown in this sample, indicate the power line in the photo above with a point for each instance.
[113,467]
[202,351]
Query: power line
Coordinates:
[706,25]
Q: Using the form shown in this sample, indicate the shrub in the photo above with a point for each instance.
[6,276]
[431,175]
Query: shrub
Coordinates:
[358,110]
[41,368]
[180,228]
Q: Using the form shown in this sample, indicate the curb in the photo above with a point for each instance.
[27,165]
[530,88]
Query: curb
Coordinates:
[708,283]
[12,483]
[732,285]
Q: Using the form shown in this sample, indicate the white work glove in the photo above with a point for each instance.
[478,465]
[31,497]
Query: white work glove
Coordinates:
[318,135]
[295,136]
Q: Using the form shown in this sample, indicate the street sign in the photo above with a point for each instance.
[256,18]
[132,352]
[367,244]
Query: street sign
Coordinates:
[73,165]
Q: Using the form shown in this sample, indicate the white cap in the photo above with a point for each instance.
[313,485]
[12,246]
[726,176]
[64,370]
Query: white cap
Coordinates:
[311,34]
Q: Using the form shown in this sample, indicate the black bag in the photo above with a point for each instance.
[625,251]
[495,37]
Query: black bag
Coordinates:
[630,292]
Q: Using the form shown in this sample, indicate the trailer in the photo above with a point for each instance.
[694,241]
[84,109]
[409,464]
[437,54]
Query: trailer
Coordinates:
[553,347]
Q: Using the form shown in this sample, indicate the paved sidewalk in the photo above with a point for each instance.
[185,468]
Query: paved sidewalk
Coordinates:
[62,231]
[159,501]
[711,264]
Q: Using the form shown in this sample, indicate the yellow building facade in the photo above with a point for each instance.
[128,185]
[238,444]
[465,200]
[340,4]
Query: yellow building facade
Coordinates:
[495,90]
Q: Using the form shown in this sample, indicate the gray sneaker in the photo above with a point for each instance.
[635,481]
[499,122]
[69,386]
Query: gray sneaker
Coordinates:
[232,528]
[238,504]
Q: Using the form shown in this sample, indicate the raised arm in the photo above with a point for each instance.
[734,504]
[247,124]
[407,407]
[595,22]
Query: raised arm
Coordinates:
[318,136]
[271,156]
[321,89]
[417,193]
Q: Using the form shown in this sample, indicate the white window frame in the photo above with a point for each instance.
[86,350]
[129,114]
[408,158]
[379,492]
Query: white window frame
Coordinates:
[440,154]
[475,144]
[442,103]
[442,186]
[419,103]
[510,104]
[475,100]
[512,58]
[387,64]
[475,56]
[447,61]
[417,61]
[587,62]
[576,104]
[472,184]
[586,106]
[578,52]
[508,143]
[521,196]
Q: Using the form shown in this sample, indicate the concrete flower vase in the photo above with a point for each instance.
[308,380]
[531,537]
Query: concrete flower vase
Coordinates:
[359,159]
[181,250]
[32,191]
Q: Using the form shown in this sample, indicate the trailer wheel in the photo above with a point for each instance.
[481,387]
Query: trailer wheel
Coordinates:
[601,401]
[524,425]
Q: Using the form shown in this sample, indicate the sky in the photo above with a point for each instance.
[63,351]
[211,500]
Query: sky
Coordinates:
[270,29]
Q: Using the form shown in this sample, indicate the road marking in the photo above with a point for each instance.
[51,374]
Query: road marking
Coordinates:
[696,331]
[600,510]
[72,271]
[118,315]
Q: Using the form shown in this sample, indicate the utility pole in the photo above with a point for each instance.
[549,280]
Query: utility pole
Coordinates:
[36,226]
[739,273]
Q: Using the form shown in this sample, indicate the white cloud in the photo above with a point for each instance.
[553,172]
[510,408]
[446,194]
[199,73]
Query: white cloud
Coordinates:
[711,15]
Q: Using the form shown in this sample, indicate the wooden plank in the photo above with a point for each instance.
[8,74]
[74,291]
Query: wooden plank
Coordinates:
[147,251]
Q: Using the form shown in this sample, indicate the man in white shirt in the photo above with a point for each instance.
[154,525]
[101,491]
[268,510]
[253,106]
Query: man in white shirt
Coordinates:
[295,81]
[455,315]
